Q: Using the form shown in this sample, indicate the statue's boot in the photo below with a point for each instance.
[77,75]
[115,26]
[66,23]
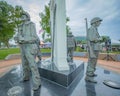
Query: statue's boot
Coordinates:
[90,79]
[93,75]
[36,83]
[36,79]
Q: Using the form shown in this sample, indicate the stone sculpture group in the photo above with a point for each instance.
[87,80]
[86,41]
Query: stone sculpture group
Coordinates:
[62,49]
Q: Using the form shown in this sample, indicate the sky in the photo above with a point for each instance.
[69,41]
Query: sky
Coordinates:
[77,11]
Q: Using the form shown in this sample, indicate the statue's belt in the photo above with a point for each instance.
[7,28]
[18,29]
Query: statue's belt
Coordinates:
[27,42]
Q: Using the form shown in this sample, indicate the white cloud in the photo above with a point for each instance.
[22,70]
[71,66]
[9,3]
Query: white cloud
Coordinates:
[105,9]
[34,10]
[77,10]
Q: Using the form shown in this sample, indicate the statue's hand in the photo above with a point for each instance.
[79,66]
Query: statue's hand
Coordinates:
[21,40]
[101,40]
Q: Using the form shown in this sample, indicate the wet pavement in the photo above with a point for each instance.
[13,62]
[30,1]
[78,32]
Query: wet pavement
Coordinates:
[78,87]
[6,65]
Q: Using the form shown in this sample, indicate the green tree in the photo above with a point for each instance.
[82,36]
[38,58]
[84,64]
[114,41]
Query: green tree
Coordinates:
[105,38]
[17,12]
[9,21]
[45,22]
[45,18]
[7,26]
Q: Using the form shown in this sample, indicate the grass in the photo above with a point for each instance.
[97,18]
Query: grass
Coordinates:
[113,52]
[79,49]
[5,52]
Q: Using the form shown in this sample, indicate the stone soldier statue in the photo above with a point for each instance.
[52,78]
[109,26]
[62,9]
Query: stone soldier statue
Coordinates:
[26,39]
[93,42]
[71,44]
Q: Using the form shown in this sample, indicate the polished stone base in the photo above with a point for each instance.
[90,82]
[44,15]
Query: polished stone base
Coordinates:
[64,78]
[48,88]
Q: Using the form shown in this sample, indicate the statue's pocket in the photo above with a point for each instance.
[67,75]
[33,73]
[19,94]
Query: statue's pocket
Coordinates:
[98,47]
[34,49]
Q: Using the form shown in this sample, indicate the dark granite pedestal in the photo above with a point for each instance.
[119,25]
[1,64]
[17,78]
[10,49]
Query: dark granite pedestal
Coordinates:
[48,88]
[64,78]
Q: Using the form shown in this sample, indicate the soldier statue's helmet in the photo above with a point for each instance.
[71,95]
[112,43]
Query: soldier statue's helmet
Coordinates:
[96,19]
[27,16]
[70,34]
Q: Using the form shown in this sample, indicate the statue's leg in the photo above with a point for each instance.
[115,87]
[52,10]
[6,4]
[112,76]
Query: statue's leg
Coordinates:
[72,51]
[39,55]
[90,66]
[95,60]
[90,71]
[25,66]
[34,69]
[68,55]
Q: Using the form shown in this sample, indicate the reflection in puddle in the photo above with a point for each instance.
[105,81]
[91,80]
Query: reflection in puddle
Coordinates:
[106,72]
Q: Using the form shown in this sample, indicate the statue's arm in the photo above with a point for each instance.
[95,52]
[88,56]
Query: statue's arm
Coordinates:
[92,37]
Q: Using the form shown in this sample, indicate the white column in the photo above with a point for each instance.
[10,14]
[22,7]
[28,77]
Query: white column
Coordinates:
[59,46]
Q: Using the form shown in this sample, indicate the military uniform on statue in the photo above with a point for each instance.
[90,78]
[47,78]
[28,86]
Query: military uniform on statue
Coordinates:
[93,43]
[26,38]
[71,45]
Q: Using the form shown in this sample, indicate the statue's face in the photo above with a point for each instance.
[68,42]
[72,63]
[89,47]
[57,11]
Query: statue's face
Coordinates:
[98,23]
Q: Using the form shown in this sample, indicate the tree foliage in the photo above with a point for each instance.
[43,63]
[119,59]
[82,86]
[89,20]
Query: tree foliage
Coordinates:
[7,26]
[105,38]
[18,10]
[45,18]
[45,21]
[9,20]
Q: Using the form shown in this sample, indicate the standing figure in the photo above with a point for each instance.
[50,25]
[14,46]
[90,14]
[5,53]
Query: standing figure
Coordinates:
[71,44]
[93,43]
[26,38]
